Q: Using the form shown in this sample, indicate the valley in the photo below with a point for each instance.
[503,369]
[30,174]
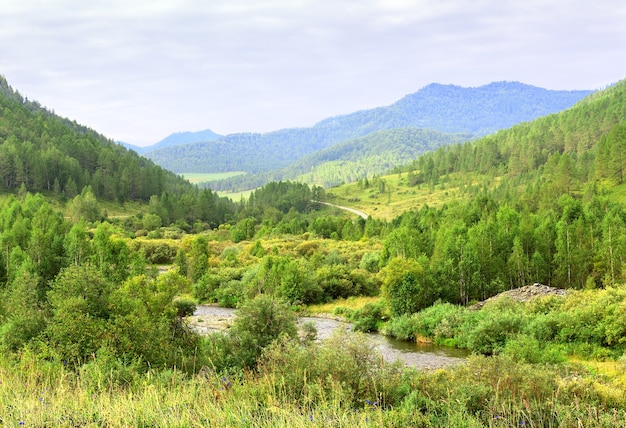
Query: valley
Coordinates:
[104,256]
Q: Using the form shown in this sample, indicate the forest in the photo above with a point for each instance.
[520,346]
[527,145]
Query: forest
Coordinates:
[95,306]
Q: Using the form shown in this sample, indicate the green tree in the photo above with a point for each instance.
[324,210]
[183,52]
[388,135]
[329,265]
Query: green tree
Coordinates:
[79,302]
[198,258]
[406,286]
[85,206]
[25,317]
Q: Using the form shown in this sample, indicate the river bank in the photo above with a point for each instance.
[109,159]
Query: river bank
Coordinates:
[424,356]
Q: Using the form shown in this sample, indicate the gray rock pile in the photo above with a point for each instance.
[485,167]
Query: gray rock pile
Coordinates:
[524,294]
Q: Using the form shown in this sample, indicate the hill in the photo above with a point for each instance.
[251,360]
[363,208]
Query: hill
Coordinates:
[444,108]
[46,153]
[349,161]
[176,139]
[574,151]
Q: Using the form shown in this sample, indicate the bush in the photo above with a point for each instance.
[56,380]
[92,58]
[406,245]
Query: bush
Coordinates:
[487,331]
[205,287]
[430,321]
[158,252]
[258,323]
[370,262]
[229,294]
[184,307]
[368,318]
[402,327]
[345,367]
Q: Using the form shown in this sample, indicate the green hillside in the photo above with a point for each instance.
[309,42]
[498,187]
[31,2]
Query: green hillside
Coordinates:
[350,160]
[46,153]
[569,152]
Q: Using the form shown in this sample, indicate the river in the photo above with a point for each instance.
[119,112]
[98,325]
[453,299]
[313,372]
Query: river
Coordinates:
[419,355]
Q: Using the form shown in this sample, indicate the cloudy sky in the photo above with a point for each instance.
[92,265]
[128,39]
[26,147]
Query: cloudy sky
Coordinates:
[138,70]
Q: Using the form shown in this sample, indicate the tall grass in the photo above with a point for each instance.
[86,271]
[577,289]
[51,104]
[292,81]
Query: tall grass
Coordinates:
[316,386]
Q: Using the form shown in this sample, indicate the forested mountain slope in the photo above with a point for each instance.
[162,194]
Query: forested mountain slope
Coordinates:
[585,142]
[541,202]
[444,108]
[45,152]
[351,160]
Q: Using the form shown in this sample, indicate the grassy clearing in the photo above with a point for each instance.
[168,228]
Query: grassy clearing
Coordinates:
[237,196]
[199,177]
[399,197]
[127,209]
[352,303]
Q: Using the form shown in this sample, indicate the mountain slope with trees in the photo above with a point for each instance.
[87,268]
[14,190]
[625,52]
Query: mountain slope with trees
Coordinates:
[350,160]
[541,202]
[444,108]
[43,152]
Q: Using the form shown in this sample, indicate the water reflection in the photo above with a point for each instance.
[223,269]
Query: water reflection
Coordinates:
[419,355]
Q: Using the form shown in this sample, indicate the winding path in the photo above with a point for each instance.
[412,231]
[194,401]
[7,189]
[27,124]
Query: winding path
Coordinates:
[352,210]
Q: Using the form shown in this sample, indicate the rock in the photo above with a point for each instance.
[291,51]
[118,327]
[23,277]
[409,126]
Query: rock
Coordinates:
[524,294]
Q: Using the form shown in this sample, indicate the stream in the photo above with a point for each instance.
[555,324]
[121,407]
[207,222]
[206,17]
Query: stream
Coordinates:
[208,319]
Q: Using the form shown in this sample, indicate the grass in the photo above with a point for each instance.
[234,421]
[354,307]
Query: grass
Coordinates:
[352,303]
[399,197]
[237,196]
[491,392]
[199,177]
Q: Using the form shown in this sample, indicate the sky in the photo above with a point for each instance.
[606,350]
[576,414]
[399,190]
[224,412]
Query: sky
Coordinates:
[139,70]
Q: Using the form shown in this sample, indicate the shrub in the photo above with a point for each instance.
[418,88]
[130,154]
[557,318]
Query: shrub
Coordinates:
[258,323]
[370,262]
[402,327]
[184,307]
[229,294]
[487,331]
[368,318]
[205,287]
[345,367]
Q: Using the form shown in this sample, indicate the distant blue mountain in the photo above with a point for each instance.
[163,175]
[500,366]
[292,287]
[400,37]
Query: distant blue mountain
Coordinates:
[176,139]
[444,108]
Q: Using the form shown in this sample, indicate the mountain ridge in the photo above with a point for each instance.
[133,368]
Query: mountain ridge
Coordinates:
[445,108]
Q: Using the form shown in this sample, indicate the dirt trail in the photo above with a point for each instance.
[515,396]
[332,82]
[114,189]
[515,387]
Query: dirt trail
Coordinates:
[352,210]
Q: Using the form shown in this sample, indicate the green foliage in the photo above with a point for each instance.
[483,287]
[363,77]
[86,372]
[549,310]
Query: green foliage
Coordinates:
[184,307]
[24,318]
[79,304]
[157,252]
[44,153]
[198,258]
[545,330]
[368,318]
[405,287]
[303,373]
[441,321]
[488,330]
[258,323]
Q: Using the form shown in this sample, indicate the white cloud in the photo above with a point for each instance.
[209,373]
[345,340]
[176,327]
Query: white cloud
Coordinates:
[139,70]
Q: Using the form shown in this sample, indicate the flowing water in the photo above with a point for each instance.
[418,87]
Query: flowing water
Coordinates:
[419,355]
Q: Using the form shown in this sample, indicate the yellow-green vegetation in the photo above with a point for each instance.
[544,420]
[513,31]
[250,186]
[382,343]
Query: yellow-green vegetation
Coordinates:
[352,303]
[237,196]
[294,387]
[199,177]
[388,196]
